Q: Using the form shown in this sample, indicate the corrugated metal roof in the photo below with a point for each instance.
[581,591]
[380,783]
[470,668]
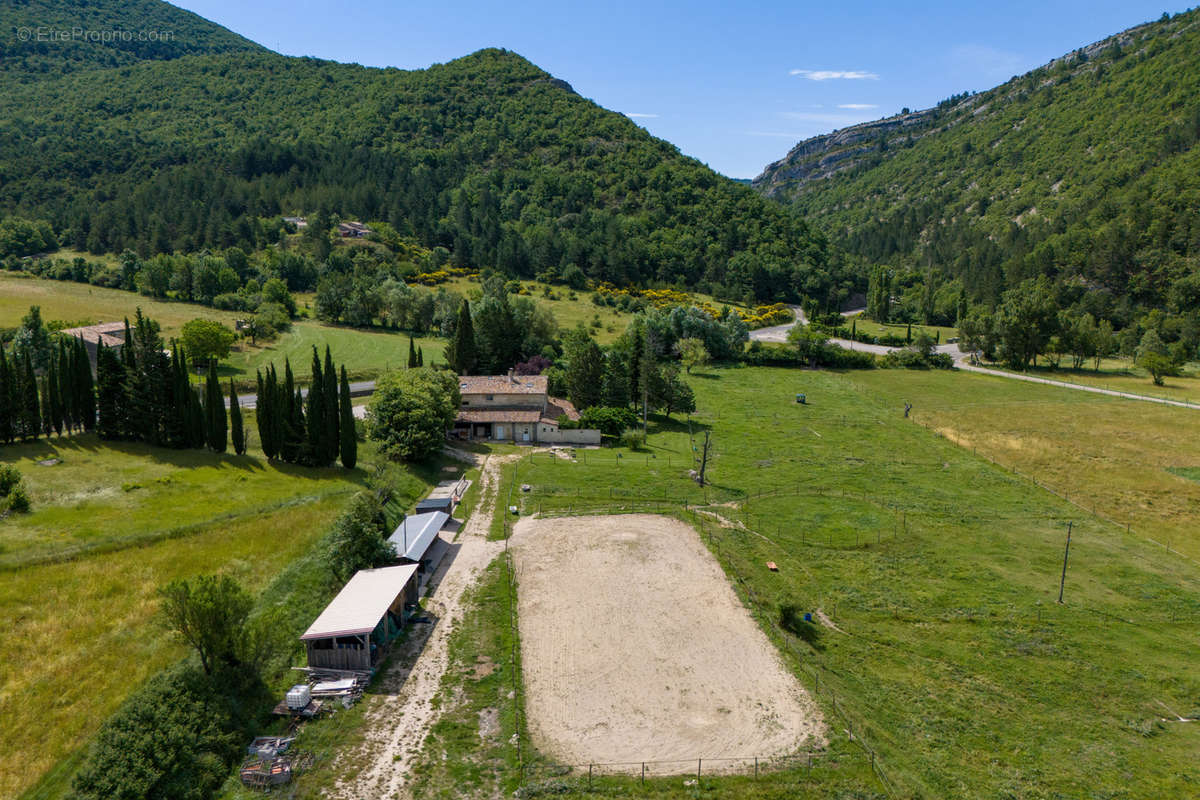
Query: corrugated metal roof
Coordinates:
[414,535]
[361,603]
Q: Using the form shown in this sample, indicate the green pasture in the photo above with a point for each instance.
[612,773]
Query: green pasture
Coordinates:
[952,661]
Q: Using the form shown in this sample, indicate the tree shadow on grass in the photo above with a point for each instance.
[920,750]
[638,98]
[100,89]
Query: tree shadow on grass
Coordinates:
[792,620]
[91,445]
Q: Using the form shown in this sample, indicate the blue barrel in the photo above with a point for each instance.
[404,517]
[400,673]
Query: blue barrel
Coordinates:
[808,617]
[800,398]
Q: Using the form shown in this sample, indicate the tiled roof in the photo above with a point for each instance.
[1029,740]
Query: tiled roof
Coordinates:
[557,407]
[502,384]
[108,333]
[499,415]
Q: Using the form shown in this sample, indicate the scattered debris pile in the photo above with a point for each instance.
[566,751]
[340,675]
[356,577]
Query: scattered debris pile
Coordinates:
[270,762]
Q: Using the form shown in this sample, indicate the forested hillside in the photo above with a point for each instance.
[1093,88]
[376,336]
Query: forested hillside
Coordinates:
[46,37]
[1085,170]
[487,156]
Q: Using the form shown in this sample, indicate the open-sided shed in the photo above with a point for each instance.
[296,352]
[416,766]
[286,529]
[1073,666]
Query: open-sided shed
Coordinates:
[416,533]
[355,629]
[416,541]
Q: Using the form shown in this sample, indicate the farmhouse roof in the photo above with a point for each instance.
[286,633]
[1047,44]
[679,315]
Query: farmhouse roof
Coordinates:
[502,384]
[508,414]
[361,603]
[414,535]
[557,407]
[110,334]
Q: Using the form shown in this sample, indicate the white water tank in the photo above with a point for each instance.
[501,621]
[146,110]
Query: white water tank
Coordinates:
[299,696]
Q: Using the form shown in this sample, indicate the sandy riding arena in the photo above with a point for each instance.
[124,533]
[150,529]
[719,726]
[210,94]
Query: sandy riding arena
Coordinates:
[635,648]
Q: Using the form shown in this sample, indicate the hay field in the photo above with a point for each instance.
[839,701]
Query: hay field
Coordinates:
[635,648]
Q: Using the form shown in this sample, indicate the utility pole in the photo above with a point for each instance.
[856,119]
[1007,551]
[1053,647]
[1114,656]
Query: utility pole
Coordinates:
[1067,552]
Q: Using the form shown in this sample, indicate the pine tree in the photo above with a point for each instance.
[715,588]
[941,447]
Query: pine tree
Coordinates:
[332,423]
[349,437]
[462,354]
[412,353]
[214,406]
[237,430]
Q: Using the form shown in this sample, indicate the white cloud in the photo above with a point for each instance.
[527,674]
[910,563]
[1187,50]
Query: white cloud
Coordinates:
[858,106]
[835,74]
[632,115]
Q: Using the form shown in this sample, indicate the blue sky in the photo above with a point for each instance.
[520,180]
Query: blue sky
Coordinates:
[735,85]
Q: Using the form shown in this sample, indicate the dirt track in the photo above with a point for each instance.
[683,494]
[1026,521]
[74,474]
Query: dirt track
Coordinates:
[635,648]
[401,711]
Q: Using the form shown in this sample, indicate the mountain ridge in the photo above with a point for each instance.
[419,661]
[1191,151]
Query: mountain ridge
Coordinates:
[1056,172]
[488,156]
[48,38]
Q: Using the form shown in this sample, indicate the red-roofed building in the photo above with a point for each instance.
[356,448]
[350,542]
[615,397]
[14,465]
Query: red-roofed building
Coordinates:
[515,408]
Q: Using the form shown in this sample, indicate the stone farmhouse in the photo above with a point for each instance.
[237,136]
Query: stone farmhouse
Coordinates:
[516,408]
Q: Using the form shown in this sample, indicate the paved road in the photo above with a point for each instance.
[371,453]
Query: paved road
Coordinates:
[968,367]
[779,333]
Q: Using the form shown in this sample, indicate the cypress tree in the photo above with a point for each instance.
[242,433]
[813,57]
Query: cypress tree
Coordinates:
[349,437]
[31,416]
[214,406]
[332,423]
[299,424]
[6,404]
[291,411]
[197,420]
[262,416]
[86,387]
[52,406]
[420,357]
[278,404]
[237,431]
[462,354]
[66,385]
[110,386]
[412,353]
[130,403]
[314,413]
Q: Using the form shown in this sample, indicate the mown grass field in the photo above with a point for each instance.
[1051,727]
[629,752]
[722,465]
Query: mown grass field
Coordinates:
[864,325]
[365,353]
[78,575]
[105,496]
[1106,453]
[78,302]
[952,660]
[1123,375]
